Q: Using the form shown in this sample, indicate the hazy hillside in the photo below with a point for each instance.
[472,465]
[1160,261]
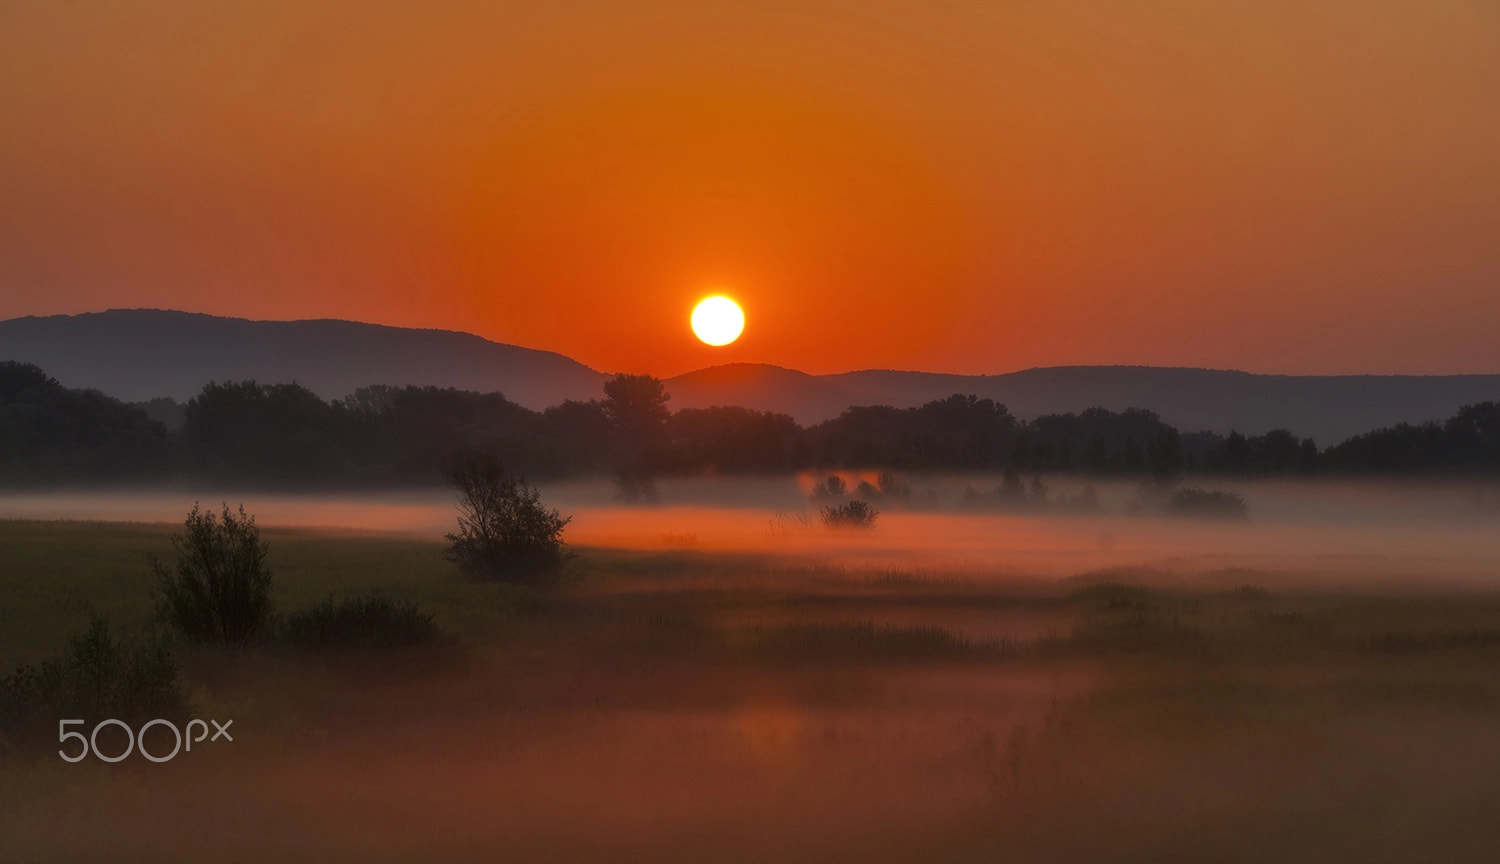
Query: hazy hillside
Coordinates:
[763,387]
[138,354]
[1328,408]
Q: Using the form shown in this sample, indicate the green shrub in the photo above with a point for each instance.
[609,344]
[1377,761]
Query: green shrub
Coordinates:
[220,590]
[370,622]
[850,514]
[99,678]
[504,531]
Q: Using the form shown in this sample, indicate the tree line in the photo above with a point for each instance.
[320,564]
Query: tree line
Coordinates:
[284,434]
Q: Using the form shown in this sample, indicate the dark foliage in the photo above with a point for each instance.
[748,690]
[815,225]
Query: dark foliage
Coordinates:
[635,485]
[635,408]
[219,591]
[1469,442]
[100,677]
[960,432]
[165,410]
[276,432]
[1207,503]
[830,488]
[1276,453]
[850,514]
[1097,441]
[285,435]
[371,622]
[888,489]
[735,440]
[504,531]
[409,434]
[49,433]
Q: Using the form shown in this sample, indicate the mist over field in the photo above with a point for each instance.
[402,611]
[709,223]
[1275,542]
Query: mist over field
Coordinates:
[1415,527]
[720,676]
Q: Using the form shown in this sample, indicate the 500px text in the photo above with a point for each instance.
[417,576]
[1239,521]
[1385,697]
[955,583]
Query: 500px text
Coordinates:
[182,740]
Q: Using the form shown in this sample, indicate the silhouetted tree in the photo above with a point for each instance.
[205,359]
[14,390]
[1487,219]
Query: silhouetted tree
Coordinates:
[49,433]
[504,531]
[636,408]
[960,432]
[285,434]
[832,488]
[219,590]
[729,439]
[277,432]
[1098,441]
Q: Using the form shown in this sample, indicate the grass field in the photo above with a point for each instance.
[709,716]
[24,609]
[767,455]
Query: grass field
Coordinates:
[705,705]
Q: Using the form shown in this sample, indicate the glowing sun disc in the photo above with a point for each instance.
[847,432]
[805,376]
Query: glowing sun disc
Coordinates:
[718,321]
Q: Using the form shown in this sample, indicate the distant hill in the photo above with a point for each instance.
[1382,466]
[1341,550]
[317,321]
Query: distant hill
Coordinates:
[138,354]
[1328,408]
[808,398]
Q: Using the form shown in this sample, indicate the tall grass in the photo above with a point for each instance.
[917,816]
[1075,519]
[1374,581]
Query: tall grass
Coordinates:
[369,623]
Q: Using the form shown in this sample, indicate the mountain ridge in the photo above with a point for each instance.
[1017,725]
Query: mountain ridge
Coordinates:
[139,354]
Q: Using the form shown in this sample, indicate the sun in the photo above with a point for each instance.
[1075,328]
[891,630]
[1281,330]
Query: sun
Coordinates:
[718,320]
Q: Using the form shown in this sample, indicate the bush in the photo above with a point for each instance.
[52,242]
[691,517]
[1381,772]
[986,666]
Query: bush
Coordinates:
[371,622]
[851,514]
[893,488]
[504,532]
[635,487]
[98,679]
[887,488]
[830,489]
[220,590]
[1207,503]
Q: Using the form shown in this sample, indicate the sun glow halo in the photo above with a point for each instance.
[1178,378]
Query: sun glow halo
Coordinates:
[718,321]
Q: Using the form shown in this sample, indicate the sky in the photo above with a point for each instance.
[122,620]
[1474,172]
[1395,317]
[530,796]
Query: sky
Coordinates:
[971,186]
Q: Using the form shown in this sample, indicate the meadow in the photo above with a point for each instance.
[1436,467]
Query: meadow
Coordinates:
[685,698]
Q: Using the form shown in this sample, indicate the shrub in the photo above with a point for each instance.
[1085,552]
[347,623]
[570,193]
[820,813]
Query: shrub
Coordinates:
[850,514]
[220,590]
[97,679]
[504,531]
[893,488]
[831,489]
[1207,503]
[887,489]
[370,622]
[635,487]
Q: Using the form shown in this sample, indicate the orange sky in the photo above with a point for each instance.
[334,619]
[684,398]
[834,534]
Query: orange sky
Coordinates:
[955,185]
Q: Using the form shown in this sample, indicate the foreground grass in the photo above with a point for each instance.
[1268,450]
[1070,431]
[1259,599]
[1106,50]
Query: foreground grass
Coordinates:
[691,706]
